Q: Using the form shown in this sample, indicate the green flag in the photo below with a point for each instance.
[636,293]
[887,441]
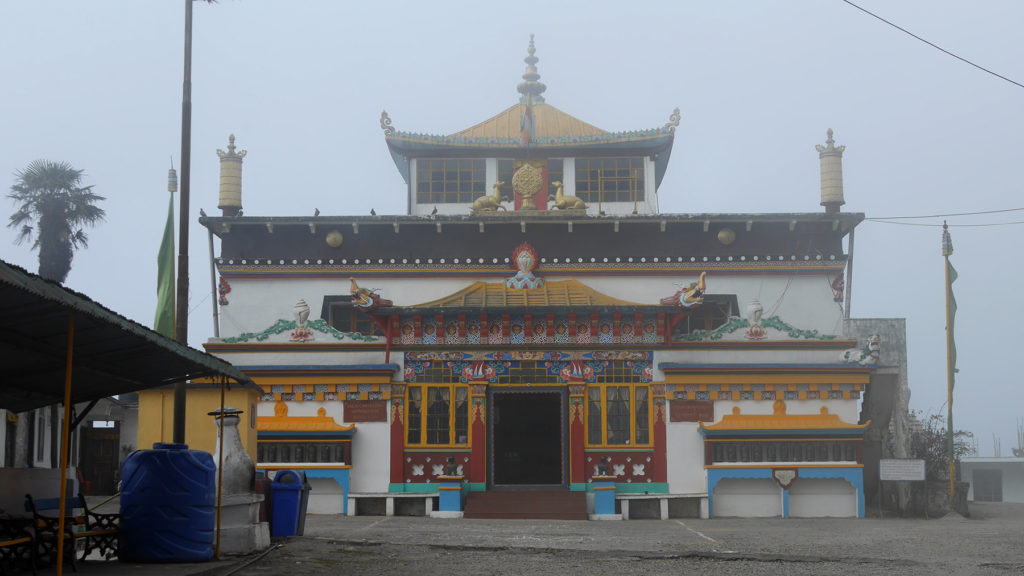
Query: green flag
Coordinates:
[951,302]
[164,321]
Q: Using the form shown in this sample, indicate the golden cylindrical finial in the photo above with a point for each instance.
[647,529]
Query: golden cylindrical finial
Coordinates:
[831,157]
[230,201]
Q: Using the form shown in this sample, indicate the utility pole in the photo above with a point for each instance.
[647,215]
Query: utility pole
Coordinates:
[181,305]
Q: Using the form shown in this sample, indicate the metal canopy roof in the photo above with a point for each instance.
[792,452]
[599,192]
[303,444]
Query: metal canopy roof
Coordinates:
[112,355]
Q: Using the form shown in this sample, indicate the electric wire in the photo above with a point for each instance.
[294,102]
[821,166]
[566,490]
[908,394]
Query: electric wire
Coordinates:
[939,48]
[947,215]
[991,224]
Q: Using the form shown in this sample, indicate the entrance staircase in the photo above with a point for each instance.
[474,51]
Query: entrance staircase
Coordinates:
[547,505]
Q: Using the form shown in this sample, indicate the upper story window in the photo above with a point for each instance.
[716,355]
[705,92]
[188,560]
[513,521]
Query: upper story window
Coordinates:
[610,179]
[344,317]
[713,313]
[450,181]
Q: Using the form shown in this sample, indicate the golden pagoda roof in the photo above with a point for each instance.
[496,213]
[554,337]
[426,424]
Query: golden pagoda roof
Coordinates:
[552,293]
[550,122]
[779,420]
[282,422]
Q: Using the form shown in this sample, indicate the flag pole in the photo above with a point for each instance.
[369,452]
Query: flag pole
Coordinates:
[947,249]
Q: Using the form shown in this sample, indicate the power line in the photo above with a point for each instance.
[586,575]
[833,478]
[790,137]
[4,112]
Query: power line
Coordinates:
[878,221]
[939,48]
[947,215]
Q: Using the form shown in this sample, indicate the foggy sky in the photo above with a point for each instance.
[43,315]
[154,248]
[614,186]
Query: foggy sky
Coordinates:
[302,86]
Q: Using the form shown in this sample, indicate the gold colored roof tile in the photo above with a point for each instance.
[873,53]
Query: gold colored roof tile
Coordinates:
[550,122]
[497,295]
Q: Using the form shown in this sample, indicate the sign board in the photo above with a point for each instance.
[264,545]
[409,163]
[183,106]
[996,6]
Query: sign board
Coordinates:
[691,411]
[366,411]
[900,470]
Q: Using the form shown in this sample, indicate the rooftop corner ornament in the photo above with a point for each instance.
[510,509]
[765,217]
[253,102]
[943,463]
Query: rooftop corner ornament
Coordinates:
[688,296]
[366,298]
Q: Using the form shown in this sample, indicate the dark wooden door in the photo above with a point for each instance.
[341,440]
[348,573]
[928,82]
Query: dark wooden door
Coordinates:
[99,460]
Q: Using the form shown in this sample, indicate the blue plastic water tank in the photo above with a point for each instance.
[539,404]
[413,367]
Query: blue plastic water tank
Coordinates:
[168,505]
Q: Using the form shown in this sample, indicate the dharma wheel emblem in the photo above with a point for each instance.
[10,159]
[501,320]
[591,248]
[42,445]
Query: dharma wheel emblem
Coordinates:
[527,182]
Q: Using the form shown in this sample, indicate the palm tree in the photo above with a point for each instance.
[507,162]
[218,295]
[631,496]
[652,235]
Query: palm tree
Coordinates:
[56,208]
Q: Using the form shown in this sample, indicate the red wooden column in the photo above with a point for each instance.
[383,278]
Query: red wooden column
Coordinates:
[577,434]
[478,423]
[398,434]
[660,437]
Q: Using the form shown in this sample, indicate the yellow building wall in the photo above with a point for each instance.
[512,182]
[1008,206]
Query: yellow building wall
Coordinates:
[156,417]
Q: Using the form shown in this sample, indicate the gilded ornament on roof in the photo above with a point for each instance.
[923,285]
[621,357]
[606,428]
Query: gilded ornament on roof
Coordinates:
[673,120]
[385,123]
[527,182]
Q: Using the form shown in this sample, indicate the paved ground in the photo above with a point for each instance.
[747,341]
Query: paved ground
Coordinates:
[990,542]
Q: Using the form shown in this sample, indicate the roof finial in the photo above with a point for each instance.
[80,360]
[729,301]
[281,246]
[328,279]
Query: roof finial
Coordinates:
[530,88]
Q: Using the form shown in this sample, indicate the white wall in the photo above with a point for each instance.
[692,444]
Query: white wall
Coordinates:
[1012,472]
[822,497]
[371,457]
[804,301]
[685,458]
[748,498]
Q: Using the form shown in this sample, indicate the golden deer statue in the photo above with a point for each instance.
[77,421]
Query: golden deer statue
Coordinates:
[566,202]
[490,203]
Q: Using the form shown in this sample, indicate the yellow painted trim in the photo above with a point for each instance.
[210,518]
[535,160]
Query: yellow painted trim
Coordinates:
[596,488]
[265,380]
[282,422]
[301,465]
[843,439]
[791,378]
[451,416]
[458,488]
[306,441]
[780,420]
[785,465]
[632,416]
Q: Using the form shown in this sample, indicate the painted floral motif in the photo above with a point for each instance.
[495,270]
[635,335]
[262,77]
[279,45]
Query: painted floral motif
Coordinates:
[494,334]
[451,332]
[583,333]
[282,326]
[540,333]
[430,331]
[408,333]
[561,332]
[473,331]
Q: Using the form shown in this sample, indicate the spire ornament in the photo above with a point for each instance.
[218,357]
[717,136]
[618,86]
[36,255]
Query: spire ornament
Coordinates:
[531,89]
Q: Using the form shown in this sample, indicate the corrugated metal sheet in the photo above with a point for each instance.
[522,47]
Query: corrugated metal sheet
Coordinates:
[112,354]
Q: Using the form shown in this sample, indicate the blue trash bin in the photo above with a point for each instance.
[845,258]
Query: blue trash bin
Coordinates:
[286,492]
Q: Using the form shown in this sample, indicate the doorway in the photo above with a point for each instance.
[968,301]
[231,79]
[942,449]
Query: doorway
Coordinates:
[527,438]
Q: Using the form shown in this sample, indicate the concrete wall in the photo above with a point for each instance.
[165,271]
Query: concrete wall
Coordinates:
[822,497]
[886,400]
[748,498]
[1012,472]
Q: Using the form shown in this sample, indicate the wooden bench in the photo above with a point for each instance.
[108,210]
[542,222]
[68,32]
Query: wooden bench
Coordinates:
[97,531]
[17,545]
